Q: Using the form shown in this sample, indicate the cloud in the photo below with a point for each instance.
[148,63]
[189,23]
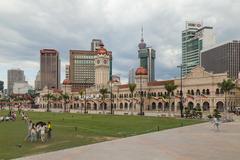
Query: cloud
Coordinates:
[28,26]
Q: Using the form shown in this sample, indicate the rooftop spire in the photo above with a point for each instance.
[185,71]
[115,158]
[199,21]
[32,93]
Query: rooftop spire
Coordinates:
[142,40]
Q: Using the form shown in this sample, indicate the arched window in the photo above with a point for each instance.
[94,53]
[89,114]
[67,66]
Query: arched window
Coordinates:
[198,92]
[217,91]
[203,91]
[207,92]
[188,92]
[192,92]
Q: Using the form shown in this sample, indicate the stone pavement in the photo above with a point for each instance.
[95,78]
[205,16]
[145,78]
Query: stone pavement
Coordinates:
[197,142]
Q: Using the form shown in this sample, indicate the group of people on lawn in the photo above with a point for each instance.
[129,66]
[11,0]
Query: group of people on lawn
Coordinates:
[39,131]
[10,117]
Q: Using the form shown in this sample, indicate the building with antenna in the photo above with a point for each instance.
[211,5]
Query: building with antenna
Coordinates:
[147,58]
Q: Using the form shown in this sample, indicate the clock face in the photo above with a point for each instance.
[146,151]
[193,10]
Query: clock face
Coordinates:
[105,61]
[98,61]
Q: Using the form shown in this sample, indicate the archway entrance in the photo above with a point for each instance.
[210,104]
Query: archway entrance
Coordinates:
[153,106]
[219,106]
[206,106]
[190,105]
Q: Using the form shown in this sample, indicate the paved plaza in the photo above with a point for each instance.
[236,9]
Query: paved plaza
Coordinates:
[197,142]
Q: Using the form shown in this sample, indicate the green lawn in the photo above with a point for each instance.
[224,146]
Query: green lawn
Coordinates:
[90,129]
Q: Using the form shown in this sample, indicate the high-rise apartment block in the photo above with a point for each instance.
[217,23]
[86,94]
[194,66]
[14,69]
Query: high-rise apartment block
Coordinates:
[222,58]
[14,75]
[147,58]
[194,39]
[1,86]
[49,68]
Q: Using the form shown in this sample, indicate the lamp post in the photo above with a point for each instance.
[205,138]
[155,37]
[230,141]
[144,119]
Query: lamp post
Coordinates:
[181,93]
[141,97]
[85,97]
[111,97]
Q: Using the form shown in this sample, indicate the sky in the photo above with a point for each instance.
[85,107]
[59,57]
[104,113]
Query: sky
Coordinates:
[26,26]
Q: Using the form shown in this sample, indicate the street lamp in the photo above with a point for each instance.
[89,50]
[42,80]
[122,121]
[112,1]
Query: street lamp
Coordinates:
[181,92]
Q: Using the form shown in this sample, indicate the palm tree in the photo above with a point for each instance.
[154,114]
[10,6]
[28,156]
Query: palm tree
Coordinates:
[170,87]
[103,92]
[132,87]
[65,97]
[49,97]
[226,86]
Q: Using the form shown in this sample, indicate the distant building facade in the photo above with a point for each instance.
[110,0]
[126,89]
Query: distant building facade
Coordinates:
[50,66]
[1,86]
[37,82]
[95,44]
[131,76]
[14,75]
[222,58]
[147,58]
[21,88]
[195,37]
[67,70]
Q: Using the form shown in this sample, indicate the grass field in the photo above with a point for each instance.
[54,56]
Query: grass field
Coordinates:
[70,130]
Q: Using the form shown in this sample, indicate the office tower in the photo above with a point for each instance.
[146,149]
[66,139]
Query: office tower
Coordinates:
[222,58]
[14,75]
[131,76]
[38,81]
[95,44]
[67,68]
[50,68]
[147,58]
[194,39]
[82,71]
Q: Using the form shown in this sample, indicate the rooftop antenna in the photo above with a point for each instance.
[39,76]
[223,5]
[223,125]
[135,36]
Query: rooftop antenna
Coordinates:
[142,34]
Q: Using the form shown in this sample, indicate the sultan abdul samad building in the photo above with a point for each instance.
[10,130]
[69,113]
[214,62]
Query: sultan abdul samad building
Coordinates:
[199,87]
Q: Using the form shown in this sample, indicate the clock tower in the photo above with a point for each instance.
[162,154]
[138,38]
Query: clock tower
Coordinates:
[102,67]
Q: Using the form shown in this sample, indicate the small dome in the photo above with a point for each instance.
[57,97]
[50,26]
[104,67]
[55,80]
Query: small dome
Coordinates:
[142,45]
[141,71]
[66,81]
[102,50]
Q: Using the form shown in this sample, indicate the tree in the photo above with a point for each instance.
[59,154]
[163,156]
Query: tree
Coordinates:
[65,97]
[170,87]
[103,92]
[226,86]
[132,87]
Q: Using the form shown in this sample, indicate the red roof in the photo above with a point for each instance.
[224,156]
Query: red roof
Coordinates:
[123,86]
[159,83]
[141,71]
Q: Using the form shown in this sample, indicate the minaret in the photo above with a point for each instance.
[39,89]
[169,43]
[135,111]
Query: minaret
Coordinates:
[102,67]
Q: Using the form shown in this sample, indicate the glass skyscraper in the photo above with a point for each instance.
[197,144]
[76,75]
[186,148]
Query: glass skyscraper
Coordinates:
[194,39]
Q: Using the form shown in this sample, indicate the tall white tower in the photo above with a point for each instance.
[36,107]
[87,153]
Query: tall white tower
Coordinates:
[102,68]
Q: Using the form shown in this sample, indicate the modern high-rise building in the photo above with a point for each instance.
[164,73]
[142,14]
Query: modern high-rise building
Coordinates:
[195,37]
[147,58]
[1,86]
[222,58]
[82,71]
[21,88]
[131,76]
[82,67]
[50,68]
[95,44]
[14,75]
[38,81]
[67,70]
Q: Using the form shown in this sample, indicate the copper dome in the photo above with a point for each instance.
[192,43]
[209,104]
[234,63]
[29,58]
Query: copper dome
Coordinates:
[141,71]
[66,81]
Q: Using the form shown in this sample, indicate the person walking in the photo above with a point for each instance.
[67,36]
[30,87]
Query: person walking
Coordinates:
[29,127]
[33,133]
[42,132]
[216,122]
[49,126]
